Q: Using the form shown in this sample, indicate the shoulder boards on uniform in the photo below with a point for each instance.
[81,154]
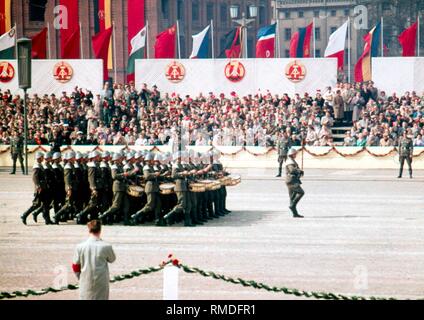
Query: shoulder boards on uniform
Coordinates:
[114,167]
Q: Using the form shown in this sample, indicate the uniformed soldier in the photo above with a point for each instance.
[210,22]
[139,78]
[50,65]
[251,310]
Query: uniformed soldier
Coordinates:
[120,185]
[194,198]
[40,192]
[219,169]
[17,150]
[70,188]
[59,189]
[179,174]
[406,151]
[284,143]
[81,185]
[106,194]
[209,195]
[90,212]
[293,175]
[151,178]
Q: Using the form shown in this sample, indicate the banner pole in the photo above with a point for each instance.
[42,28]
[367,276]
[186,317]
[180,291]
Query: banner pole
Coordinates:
[313,34]
[178,39]
[349,37]
[419,34]
[382,36]
[213,40]
[147,40]
[114,52]
[49,39]
[81,42]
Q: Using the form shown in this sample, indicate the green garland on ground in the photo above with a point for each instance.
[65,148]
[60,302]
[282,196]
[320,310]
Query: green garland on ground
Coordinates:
[207,274]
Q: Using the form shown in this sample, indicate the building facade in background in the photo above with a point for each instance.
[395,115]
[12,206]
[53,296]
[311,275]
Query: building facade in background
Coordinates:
[31,16]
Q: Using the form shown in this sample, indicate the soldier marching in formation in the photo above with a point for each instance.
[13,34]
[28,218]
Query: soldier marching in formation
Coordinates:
[131,187]
[293,175]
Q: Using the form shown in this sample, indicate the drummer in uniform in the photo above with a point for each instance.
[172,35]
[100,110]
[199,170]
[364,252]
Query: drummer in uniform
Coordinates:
[219,169]
[209,194]
[106,173]
[167,200]
[179,174]
[82,187]
[293,175]
[151,177]
[59,189]
[194,196]
[120,185]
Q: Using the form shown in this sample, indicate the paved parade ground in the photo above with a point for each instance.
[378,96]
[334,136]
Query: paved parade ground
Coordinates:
[363,235]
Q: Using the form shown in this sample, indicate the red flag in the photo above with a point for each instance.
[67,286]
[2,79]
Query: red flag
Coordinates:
[101,43]
[39,45]
[72,46]
[69,38]
[165,44]
[300,43]
[363,61]
[235,50]
[408,40]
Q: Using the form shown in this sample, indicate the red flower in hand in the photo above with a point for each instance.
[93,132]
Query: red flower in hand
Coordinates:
[175,262]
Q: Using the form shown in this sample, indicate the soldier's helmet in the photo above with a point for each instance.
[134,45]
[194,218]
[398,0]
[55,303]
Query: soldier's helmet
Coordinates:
[138,155]
[149,157]
[79,156]
[105,154]
[292,152]
[47,156]
[39,155]
[93,154]
[129,156]
[116,156]
[56,155]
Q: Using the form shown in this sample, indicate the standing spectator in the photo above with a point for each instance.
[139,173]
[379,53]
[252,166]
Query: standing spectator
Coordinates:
[338,107]
[90,264]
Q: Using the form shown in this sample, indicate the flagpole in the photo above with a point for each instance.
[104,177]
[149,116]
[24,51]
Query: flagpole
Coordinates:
[147,40]
[213,41]
[81,42]
[48,42]
[178,39]
[114,52]
[313,34]
[382,36]
[349,36]
[419,35]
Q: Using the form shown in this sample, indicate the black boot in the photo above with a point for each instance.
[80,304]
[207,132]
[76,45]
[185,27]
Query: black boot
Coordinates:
[187,220]
[169,217]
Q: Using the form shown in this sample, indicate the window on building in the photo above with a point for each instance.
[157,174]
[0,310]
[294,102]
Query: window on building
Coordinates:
[317,33]
[165,9]
[333,29]
[195,11]
[287,14]
[287,34]
[318,53]
[262,15]
[37,9]
[287,53]
[180,10]
[209,11]
[223,13]
[333,13]
[316,14]
[347,12]
[301,14]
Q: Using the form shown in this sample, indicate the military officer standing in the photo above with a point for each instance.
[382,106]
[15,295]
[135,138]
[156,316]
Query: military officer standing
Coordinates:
[16,151]
[293,175]
[284,143]
[40,190]
[406,150]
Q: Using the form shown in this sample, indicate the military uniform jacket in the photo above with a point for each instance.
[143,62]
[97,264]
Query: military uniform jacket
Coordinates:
[106,174]
[94,176]
[69,176]
[293,173]
[58,176]
[38,177]
[120,183]
[406,147]
[50,176]
[81,178]
[180,180]
[16,145]
[152,183]
[283,146]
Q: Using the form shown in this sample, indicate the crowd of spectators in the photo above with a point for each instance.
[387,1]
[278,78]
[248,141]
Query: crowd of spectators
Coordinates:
[123,115]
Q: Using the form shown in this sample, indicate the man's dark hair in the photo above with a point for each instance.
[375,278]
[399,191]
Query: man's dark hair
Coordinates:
[94,226]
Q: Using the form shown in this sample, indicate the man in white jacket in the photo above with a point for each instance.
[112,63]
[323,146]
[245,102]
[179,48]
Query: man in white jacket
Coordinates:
[90,264]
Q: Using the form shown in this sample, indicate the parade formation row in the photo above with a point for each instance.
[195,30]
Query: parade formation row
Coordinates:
[130,187]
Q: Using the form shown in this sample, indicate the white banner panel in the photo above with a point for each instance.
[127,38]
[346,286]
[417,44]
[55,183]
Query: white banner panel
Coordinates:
[398,74]
[86,74]
[205,75]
